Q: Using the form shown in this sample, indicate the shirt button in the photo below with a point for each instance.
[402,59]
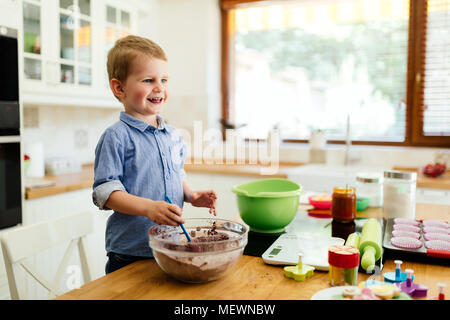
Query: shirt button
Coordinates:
[168,176]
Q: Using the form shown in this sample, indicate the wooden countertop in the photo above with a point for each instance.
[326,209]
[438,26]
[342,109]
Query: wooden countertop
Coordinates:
[64,183]
[249,279]
[85,179]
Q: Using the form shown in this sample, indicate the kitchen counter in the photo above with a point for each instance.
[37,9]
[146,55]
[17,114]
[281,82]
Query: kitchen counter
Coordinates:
[64,183]
[85,179]
[249,279]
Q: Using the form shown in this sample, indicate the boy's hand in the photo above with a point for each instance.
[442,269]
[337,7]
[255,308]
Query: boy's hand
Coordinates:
[162,212]
[206,199]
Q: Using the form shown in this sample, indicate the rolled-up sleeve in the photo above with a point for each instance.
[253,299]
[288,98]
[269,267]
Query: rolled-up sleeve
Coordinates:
[108,169]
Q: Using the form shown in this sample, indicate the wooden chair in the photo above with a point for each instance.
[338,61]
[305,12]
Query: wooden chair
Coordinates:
[21,243]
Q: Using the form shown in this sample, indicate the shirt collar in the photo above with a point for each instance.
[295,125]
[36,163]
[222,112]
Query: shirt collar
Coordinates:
[141,125]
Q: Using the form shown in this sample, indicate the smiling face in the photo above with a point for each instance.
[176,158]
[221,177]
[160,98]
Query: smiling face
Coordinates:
[145,90]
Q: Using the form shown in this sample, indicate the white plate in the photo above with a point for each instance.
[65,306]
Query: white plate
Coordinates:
[327,294]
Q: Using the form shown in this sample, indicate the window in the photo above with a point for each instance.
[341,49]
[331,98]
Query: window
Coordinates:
[379,67]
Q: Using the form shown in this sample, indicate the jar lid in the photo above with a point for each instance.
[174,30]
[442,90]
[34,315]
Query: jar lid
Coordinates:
[344,190]
[394,174]
[368,177]
[343,256]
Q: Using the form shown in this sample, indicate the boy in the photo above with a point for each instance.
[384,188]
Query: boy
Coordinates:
[139,160]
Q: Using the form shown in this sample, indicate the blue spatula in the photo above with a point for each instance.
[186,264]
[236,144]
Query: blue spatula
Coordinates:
[181,225]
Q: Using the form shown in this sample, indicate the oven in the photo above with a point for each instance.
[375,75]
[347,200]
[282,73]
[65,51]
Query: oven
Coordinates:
[10,183]
[10,140]
[9,83]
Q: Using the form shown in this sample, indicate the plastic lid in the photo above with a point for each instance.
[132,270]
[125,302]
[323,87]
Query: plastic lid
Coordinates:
[394,174]
[343,256]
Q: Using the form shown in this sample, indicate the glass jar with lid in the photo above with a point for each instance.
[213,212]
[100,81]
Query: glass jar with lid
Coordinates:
[399,194]
[370,185]
[343,204]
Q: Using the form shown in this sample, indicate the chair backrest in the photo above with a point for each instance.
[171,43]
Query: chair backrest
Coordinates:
[26,241]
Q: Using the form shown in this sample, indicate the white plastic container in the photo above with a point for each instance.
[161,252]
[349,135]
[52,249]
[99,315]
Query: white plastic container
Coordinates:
[370,185]
[399,194]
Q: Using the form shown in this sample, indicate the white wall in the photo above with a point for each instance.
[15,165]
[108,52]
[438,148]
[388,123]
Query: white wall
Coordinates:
[189,32]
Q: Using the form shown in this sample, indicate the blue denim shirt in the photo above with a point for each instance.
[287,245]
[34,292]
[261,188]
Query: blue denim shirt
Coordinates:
[142,160]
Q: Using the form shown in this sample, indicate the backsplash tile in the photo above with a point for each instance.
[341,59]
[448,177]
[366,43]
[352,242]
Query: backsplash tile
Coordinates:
[59,129]
[31,117]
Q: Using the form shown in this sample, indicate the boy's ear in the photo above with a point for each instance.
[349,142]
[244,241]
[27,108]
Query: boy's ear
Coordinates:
[117,88]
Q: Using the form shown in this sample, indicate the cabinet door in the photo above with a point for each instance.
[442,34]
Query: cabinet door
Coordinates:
[120,21]
[65,45]
[32,40]
[75,42]
[40,64]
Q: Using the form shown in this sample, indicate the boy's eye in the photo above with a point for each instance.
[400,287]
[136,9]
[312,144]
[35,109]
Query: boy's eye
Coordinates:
[164,80]
[148,80]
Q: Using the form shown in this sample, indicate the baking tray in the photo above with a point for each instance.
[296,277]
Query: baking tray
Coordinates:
[420,255]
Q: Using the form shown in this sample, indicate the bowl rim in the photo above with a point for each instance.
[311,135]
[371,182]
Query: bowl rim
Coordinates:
[242,236]
[268,194]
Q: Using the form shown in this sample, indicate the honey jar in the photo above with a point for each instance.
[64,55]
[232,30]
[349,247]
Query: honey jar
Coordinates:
[343,204]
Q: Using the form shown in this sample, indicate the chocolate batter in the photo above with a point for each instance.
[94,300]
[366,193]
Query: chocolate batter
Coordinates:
[214,258]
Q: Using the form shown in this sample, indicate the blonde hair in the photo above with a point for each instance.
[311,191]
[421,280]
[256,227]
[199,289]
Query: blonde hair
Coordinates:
[125,50]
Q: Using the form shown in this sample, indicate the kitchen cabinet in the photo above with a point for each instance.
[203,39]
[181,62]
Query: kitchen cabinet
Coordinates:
[50,207]
[64,47]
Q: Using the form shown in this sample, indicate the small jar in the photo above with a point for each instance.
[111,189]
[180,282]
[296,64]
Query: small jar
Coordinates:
[344,263]
[370,185]
[343,204]
[399,194]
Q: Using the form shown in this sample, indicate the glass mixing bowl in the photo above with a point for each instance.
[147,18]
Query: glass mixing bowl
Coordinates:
[216,246]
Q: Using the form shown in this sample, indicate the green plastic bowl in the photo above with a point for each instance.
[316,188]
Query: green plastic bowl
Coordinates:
[268,205]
